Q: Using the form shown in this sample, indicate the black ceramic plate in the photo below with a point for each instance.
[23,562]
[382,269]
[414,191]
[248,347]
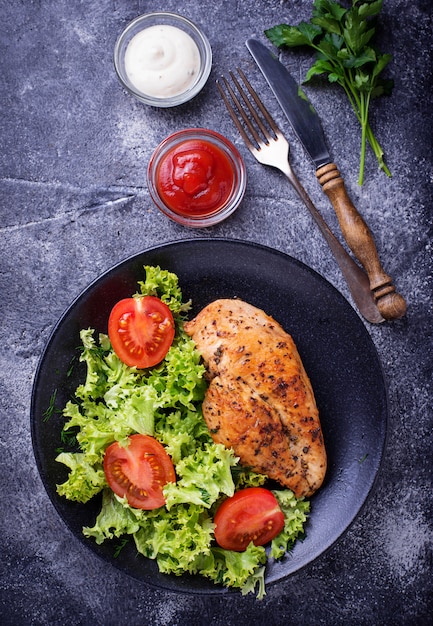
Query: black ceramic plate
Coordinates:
[335,347]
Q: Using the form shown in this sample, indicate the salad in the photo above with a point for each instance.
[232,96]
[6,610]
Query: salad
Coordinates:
[121,411]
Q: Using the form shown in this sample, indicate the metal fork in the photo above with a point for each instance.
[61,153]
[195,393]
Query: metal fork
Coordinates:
[269,146]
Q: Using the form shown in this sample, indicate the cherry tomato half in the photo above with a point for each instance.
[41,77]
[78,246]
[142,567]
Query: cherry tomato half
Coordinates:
[252,514]
[141,331]
[139,471]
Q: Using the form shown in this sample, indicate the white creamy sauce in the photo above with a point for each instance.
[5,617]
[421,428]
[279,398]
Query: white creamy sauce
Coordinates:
[162,61]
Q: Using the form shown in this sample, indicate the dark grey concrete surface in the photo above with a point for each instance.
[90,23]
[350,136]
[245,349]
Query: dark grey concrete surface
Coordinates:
[74,201]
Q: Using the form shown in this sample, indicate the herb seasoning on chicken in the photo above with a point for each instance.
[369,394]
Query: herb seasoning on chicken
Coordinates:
[260,401]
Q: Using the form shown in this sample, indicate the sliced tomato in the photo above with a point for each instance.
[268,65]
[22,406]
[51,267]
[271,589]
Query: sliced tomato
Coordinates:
[141,331]
[139,471]
[252,514]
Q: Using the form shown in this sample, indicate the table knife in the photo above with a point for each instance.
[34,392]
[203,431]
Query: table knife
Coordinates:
[307,126]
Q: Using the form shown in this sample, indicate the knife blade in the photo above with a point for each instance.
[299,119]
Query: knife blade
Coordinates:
[308,128]
[295,104]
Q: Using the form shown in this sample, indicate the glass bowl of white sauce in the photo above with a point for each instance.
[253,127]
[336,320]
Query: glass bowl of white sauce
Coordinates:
[163,59]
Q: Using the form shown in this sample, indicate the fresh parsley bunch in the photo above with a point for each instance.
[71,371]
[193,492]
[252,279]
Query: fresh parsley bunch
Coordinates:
[343,41]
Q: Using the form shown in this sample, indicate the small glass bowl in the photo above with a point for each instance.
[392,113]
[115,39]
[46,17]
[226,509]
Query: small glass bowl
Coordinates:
[238,171]
[157,19]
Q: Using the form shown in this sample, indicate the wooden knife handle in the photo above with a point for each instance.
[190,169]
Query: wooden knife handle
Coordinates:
[360,240]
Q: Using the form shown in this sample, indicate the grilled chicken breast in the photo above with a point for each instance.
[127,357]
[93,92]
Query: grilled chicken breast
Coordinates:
[260,401]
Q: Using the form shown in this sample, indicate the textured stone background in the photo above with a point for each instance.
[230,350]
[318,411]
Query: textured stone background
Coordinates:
[74,202]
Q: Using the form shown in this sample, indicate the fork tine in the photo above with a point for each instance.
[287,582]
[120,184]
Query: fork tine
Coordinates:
[251,109]
[261,134]
[234,117]
[258,102]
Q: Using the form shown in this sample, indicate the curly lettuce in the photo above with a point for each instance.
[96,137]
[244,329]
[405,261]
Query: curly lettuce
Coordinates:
[115,401]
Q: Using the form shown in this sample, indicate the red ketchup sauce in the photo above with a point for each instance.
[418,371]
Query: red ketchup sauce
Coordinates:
[195,178]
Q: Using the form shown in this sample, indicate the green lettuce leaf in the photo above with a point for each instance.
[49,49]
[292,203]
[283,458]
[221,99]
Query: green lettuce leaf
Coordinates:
[163,285]
[242,570]
[202,477]
[84,480]
[295,513]
[116,518]
[177,539]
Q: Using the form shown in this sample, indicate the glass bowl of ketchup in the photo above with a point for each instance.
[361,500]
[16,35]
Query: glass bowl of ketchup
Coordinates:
[196,177]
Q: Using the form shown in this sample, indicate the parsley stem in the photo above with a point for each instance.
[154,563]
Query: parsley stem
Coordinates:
[378,151]
[364,122]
